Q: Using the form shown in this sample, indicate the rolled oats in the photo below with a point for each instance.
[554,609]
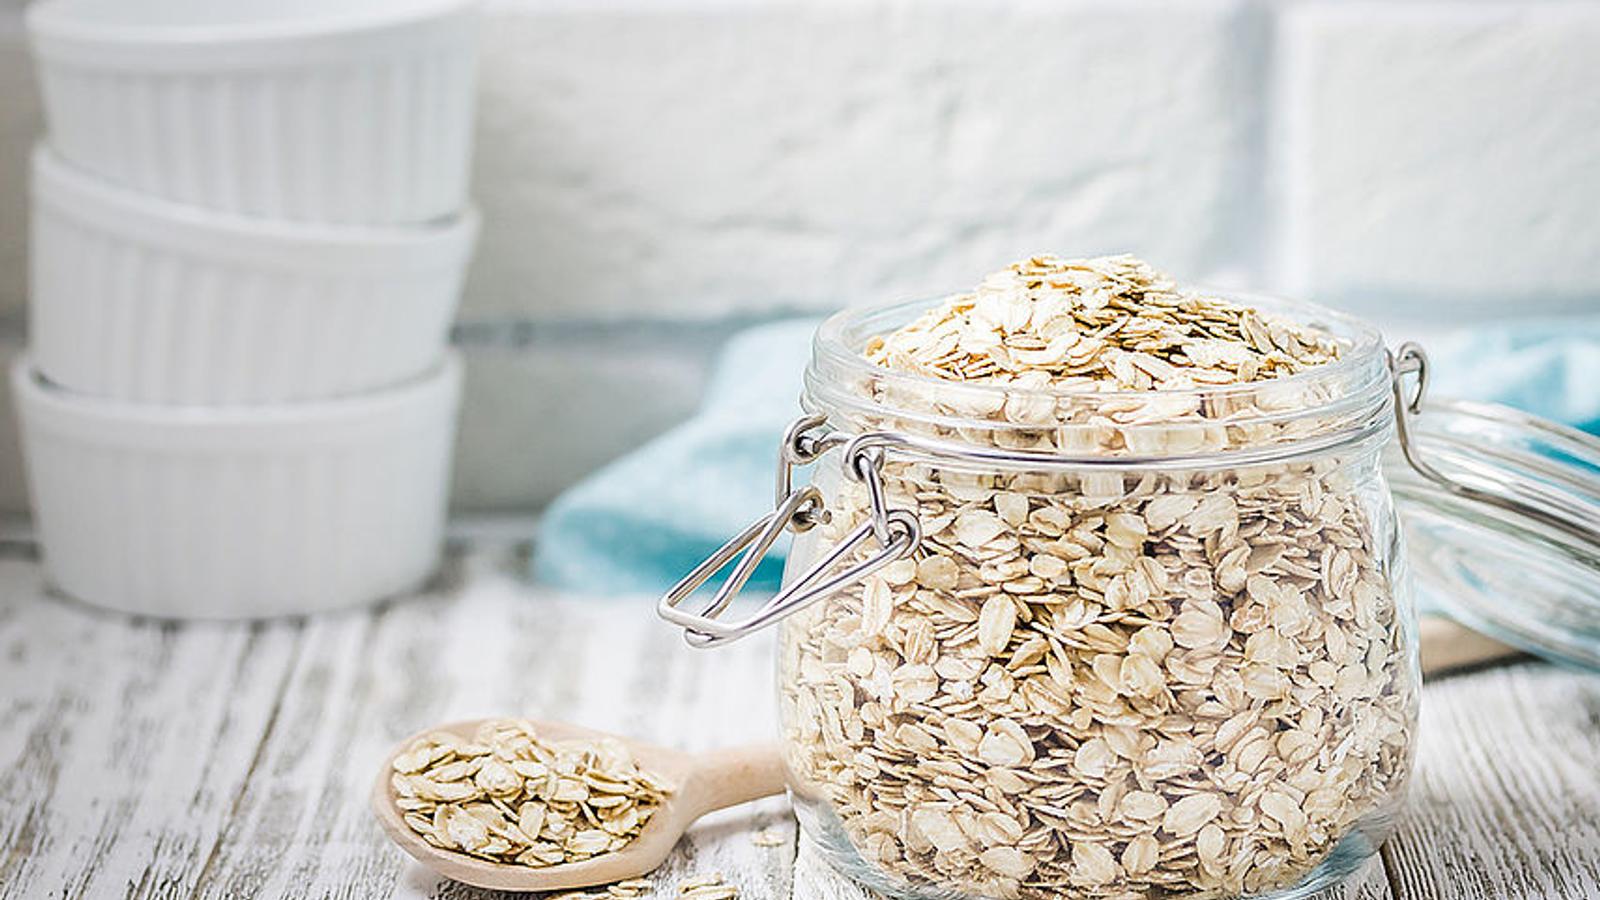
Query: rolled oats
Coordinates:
[707,887]
[511,796]
[767,838]
[622,890]
[1099,683]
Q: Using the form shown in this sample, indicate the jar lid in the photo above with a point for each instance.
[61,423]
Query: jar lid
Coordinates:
[1501,511]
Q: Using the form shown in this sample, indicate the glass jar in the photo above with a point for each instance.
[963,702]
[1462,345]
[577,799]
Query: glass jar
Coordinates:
[1040,643]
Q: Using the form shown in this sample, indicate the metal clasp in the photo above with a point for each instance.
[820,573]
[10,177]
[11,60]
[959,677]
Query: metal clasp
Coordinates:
[896,532]
[1540,507]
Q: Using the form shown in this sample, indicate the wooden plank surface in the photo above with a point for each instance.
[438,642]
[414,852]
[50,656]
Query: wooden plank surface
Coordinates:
[149,760]
[479,645]
[1506,798]
[122,744]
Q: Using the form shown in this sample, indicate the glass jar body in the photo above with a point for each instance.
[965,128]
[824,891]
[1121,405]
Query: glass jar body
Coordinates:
[1139,681]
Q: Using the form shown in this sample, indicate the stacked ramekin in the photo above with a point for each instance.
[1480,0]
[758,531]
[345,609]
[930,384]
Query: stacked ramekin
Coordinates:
[250,227]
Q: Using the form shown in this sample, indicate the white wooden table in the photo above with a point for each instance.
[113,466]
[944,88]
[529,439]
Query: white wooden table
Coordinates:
[143,759]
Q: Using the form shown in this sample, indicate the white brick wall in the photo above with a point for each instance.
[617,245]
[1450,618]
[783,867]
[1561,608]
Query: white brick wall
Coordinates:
[1443,151]
[717,159]
[704,161]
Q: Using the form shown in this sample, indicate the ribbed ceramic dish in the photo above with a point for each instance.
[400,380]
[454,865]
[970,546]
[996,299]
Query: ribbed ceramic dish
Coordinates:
[347,112]
[238,513]
[154,302]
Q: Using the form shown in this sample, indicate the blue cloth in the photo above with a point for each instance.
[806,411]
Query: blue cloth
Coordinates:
[1548,367]
[639,524]
[642,522]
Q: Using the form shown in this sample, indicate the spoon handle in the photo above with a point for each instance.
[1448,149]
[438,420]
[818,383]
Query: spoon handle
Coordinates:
[1447,646]
[739,775]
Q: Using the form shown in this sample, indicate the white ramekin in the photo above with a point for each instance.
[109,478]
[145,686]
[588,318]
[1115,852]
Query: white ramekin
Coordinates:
[154,302]
[351,112]
[237,513]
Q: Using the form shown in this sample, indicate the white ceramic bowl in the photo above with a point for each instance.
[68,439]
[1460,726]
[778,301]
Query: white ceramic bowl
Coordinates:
[222,514]
[148,301]
[333,111]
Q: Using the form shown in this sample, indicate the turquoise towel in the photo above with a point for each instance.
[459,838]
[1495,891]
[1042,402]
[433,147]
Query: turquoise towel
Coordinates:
[639,524]
[1548,367]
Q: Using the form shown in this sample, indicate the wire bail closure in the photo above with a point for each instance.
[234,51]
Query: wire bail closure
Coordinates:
[1538,506]
[896,532]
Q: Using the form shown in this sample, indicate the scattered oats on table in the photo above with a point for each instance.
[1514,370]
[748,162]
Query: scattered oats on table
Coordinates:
[622,890]
[707,887]
[1101,684]
[766,837]
[510,796]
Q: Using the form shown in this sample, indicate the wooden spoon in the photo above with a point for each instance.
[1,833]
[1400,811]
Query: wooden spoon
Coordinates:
[703,783]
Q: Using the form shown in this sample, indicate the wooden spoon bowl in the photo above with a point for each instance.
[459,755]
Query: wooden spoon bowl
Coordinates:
[702,783]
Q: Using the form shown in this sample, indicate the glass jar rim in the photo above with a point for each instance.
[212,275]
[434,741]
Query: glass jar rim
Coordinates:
[835,343]
[1330,405]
